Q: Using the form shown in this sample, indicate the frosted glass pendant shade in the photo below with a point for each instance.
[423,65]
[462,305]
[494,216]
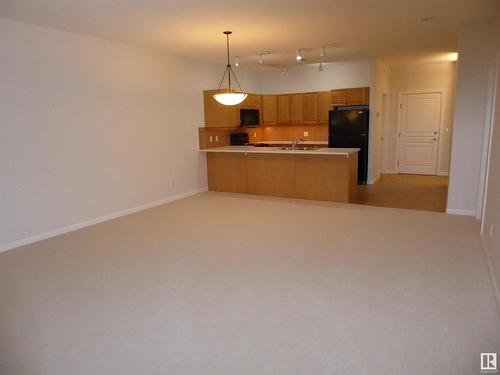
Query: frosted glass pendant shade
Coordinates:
[230,98]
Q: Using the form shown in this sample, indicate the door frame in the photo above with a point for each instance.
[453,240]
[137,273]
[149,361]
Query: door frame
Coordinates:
[385,133]
[399,120]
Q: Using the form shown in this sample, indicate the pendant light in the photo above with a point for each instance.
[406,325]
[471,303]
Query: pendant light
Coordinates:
[229,96]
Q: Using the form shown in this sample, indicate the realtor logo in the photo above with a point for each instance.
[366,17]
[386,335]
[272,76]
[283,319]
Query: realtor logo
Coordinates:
[489,363]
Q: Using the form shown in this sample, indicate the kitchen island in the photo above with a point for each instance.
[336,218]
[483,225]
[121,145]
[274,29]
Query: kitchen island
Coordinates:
[325,174]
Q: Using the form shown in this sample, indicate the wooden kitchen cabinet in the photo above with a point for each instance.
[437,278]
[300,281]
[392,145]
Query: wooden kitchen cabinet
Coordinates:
[284,109]
[358,96]
[352,96]
[253,101]
[296,108]
[270,109]
[339,97]
[325,100]
[218,115]
[311,108]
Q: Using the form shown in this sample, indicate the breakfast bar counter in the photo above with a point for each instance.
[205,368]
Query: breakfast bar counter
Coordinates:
[325,174]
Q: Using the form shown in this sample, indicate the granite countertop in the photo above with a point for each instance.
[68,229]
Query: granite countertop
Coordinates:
[278,150]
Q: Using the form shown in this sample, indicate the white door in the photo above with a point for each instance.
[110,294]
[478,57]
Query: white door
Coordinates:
[420,117]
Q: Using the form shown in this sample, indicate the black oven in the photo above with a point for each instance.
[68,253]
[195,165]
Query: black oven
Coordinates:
[249,117]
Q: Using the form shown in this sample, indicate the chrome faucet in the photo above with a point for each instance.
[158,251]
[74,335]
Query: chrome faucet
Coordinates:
[295,142]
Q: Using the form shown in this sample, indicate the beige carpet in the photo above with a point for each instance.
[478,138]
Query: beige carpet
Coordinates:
[416,192]
[232,284]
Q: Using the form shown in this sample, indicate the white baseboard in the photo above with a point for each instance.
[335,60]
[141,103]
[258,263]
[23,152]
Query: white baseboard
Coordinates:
[455,211]
[493,280]
[390,171]
[442,173]
[86,223]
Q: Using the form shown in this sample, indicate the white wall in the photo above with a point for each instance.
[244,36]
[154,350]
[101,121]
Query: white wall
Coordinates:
[491,233]
[476,55]
[306,78]
[381,88]
[90,127]
[417,77]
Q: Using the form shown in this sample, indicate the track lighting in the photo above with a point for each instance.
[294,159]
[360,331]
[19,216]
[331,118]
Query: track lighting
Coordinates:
[283,71]
[236,62]
[320,67]
[261,59]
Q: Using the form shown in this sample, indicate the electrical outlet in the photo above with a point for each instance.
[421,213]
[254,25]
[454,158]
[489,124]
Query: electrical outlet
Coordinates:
[306,134]
[211,139]
[254,134]
[491,230]
[216,138]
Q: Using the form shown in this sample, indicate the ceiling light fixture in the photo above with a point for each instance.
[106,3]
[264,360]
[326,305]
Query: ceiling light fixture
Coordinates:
[299,56]
[229,96]
[320,67]
[322,52]
[236,61]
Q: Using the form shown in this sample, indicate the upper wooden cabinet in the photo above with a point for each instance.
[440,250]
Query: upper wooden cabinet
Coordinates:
[325,100]
[296,108]
[311,107]
[339,97]
[352,96]
[269,109]
[252,101]
[218,115]
[358,96]
[284,109]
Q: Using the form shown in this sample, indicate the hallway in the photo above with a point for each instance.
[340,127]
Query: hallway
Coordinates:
[415,192]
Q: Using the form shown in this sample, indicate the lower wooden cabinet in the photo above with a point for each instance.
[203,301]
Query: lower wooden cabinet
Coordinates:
[316,177]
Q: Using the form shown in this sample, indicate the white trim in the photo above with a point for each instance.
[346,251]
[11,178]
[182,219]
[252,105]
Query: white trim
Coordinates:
[385,130]
[390,171]
[398,120]
[457,211]
[494,281]
[487,138]
[86,223]
[443,174]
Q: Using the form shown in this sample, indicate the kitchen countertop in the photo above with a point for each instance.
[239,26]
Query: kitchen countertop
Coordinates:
[278,150]
[320,143]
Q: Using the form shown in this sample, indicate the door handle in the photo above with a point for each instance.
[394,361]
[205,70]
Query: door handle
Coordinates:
[435,132]
[434,139]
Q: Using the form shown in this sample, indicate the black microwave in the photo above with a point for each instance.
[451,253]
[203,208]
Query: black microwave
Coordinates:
[249,118]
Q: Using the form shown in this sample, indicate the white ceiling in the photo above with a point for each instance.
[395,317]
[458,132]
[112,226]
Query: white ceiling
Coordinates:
[389,29]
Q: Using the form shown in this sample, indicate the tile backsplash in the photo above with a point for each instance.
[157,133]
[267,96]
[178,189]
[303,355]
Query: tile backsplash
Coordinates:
[216,137]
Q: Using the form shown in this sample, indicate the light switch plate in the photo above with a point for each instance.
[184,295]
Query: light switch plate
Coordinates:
[211,139]
[306,134]
[216,138]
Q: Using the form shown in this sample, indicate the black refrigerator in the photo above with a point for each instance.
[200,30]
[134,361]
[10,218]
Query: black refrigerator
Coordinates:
[348,127]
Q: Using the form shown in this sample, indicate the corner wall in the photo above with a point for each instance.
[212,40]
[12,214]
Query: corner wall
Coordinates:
[91,127]
[477,46]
